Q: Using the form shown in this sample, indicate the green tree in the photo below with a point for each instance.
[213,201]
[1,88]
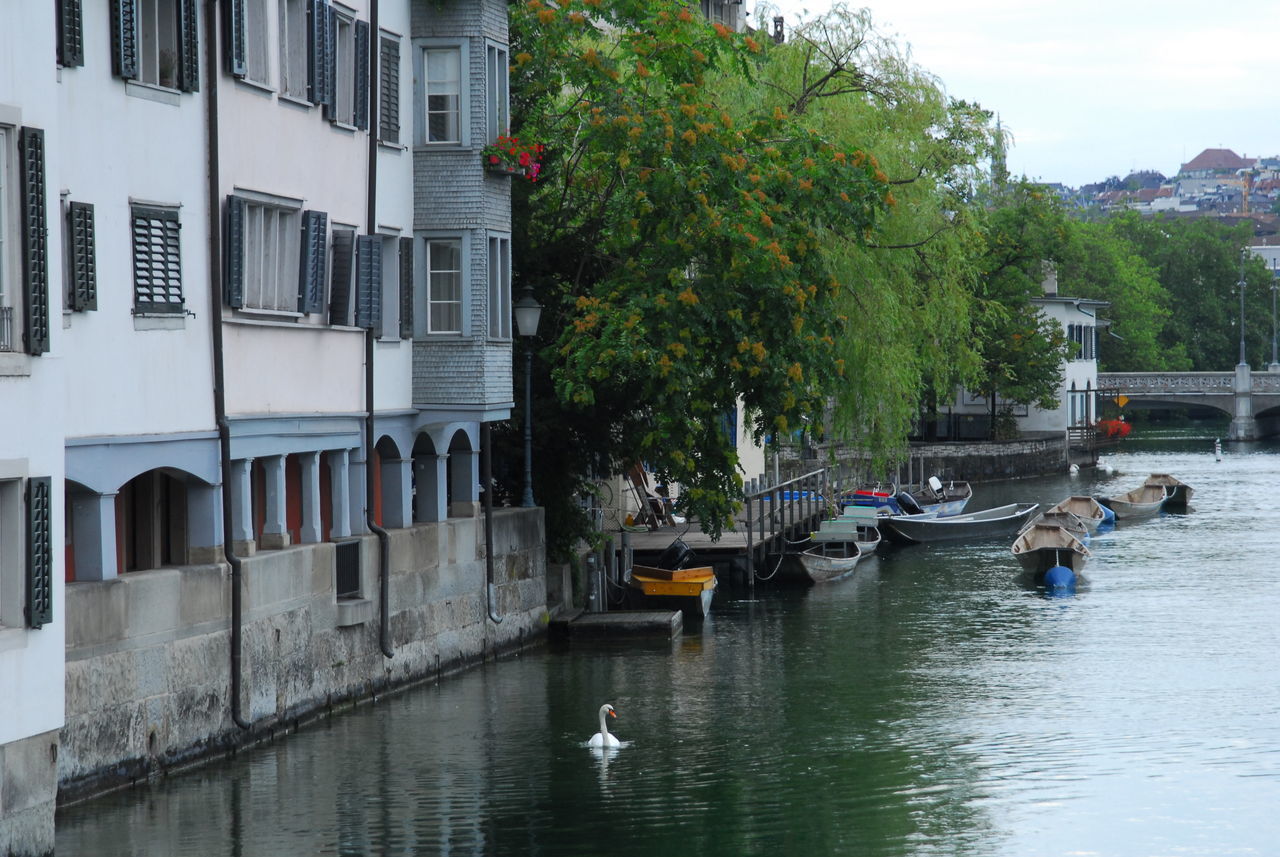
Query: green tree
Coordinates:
[676,245]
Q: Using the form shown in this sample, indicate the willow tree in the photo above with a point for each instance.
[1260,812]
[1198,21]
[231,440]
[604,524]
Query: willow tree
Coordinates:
[906,286]
[678,243]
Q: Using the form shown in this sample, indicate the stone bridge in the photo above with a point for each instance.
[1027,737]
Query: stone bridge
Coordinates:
[1251,398]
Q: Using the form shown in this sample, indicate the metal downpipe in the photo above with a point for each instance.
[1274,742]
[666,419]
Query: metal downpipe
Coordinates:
[211,67]
[486,480]
[371,228]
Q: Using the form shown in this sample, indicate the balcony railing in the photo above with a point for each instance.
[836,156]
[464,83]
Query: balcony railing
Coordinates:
[6,328]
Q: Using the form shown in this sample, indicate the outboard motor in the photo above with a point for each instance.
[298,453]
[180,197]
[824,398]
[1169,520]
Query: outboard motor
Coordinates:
[907,503]
[678,555]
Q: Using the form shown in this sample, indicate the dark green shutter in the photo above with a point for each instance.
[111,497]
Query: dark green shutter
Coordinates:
[83,257]
[311,277]
[39,606]
[406,288]
[361,75]
[234,49]
[316,15]
[70,33]
[389,91]
[330,102]
[124,38]
[35,242]
[188,46]
[157,260]
[369,282]
[233,273]
[340,289]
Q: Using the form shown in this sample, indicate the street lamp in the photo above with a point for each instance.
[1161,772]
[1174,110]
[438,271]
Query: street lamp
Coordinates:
[1241,285]
[1275,284]
[527,312]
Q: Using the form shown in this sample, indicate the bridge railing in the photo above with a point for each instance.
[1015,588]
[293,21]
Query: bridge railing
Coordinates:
[1185,383]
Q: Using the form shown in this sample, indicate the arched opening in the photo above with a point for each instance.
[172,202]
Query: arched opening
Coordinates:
[427,491]
[464,477]
[391,485]
[151,521]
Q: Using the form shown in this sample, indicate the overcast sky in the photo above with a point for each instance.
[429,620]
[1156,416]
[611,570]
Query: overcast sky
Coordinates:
[1094,88]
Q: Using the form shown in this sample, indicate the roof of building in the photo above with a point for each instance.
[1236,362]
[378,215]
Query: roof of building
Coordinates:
[1217,159]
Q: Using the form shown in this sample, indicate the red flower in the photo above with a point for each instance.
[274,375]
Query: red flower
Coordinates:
[493,159]
[524,159]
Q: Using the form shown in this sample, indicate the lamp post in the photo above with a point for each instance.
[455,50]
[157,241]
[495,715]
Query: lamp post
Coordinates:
[1241,286]
[1275,285]
[527,312]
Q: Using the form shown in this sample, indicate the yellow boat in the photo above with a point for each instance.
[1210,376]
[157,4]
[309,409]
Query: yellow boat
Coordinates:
[686,589]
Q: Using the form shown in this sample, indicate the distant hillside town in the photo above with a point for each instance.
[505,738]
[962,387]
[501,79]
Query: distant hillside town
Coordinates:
[1216,182]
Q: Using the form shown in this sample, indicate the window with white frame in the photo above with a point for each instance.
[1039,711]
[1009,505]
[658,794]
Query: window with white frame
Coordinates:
[345,67]
[256,34]
[444,285]
[159,46]
[390,318]
[293,48]
[272,235]
[499,287]
[12,552]
[498,102]
[442,87]
[157,259]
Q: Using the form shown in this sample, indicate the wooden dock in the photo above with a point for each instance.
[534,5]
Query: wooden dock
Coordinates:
[618,623]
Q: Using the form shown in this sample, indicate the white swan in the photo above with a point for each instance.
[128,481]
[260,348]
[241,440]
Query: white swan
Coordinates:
[603,738]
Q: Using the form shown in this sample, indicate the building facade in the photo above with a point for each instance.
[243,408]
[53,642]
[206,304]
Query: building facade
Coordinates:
[255,311]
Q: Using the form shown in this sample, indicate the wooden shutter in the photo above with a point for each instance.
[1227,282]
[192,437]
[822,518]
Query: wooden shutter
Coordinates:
[389,91]
[406,288]
[234,48]
[340,288]
[83,257]
[188,46]
[35,245]
[361,59]
[39,603]
[311,277]
[124,38]
[70,33]
[233,265]
[157,260]
[369,282]
[331,63]
[316,16]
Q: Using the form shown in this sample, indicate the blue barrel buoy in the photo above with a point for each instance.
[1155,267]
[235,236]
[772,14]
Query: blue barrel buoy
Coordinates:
[1059,577]
[1108,515]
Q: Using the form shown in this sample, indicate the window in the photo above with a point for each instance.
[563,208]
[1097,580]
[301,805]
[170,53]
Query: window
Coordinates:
[444,286]
[442,82]
[24,264]
[344,82]
[157,260]
[293,48]
[271,238]
[6,245]
[257,61]
[389,326]
[496,65]
[155,41]
[26,551]
[342,269]
[389,90]
[499,288]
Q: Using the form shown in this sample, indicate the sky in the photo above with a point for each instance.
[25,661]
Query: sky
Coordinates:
[1090,89]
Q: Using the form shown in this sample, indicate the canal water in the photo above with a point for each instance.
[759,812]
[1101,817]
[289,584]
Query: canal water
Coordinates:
[930,705]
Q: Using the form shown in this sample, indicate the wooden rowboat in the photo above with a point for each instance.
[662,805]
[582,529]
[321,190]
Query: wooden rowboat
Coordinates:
[686,589]
[1090,512]
[828,560]
[1066,520]
[1043,546]
[1176,492]
[1142,502]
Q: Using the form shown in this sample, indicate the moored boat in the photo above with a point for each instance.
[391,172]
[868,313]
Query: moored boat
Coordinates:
[855,523]
[1090,512]
[934,498]
[1141,502]
[827,560]
[1044,546]
[689,590]
[1069,522]
[1176,492]
[988,523]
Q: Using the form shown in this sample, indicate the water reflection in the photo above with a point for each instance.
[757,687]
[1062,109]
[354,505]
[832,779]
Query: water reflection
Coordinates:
[928,705]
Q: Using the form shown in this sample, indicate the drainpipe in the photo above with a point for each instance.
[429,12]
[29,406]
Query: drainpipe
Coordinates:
[486,479]
[371,228]
[219,376]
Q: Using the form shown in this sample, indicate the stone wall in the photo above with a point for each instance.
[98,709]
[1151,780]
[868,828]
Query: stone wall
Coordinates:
[148,663]
[970,461]
[28,769]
